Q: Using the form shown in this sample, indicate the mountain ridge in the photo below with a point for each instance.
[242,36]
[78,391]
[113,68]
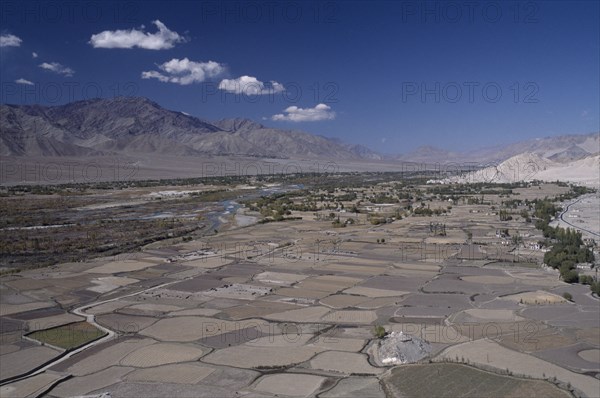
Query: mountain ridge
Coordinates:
[137,125]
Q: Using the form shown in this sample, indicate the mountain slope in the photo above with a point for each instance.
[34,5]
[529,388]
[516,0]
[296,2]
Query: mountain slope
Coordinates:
[561,149]
[584,171]
[130,125]
[574,152]
[529,166]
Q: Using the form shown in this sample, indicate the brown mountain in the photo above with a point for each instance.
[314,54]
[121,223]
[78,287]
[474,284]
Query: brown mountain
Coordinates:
[132,125]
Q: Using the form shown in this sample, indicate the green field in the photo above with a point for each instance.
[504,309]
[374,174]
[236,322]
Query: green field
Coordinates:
[68,336]
[454,380]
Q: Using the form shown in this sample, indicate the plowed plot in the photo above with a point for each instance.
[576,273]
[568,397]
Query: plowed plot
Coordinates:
[120,266]
[452,380]
[68,336]
[590,355]
[297,385]
[162,354]
[22,361]
[31,387]
[537,297]
[532,336]
[177,373]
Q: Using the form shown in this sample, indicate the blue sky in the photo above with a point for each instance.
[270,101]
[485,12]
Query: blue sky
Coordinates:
[390,75]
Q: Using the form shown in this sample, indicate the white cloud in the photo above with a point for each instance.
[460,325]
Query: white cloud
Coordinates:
[57,68]
[249,85]
[295,114]
[184,71]
[23,81]
[8,40]
[34,54]
[161,40]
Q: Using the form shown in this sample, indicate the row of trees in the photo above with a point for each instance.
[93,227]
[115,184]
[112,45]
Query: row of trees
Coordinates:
[568,249]
[567,252]
[426,211]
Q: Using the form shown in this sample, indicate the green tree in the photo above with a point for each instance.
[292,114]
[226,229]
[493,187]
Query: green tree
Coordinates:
[570,276]
[379,331]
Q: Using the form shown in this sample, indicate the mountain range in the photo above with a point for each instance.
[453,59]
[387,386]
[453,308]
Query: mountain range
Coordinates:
[133,125]
[560,149]
[139,126]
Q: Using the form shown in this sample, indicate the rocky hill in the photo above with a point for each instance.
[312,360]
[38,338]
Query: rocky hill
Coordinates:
[529,167]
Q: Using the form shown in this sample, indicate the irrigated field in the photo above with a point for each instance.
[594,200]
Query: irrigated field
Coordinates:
[68,336]
[454,380]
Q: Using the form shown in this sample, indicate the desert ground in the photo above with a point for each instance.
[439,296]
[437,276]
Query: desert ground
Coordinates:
[290,308]
[582,214]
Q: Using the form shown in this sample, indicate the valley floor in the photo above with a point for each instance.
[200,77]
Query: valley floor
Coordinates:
[289,309]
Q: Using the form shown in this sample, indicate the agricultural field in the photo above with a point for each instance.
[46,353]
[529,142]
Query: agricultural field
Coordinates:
[455,380]
[67,336]
[290,288]
[303,199]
